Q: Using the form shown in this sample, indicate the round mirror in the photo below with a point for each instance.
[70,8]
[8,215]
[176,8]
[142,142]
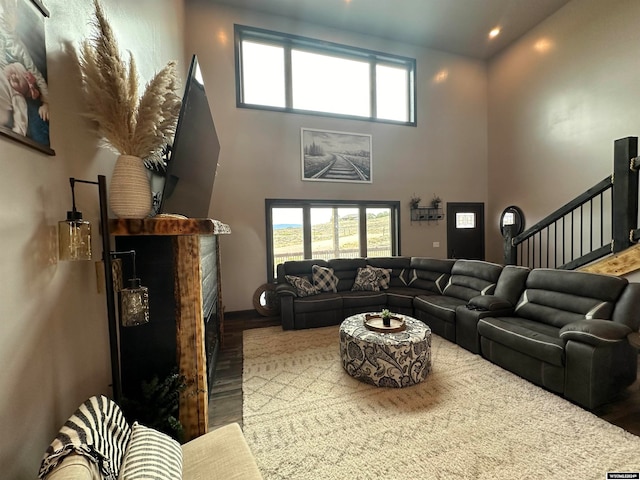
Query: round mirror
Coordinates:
[512,216]
[265,300]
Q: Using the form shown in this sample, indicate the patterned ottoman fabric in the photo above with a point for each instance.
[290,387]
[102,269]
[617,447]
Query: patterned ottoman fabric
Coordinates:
[386,359]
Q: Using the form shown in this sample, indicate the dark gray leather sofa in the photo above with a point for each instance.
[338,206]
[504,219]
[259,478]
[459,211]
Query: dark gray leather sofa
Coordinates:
[568,333]
[563,330]
[469,279]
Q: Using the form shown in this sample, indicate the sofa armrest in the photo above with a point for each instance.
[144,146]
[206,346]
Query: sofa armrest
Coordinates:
[283,289]
[595,332]
[222,453]
[75,467]
[490,303]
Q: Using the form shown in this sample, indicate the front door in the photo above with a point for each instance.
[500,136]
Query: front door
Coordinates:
[465,230]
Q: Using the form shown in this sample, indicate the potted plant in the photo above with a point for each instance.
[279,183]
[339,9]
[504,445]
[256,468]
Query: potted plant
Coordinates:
[135,127]
[436,201]
[414,201]
[386,318]
[158,403]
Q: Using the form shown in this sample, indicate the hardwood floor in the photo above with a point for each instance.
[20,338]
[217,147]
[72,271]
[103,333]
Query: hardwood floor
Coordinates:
[225,399]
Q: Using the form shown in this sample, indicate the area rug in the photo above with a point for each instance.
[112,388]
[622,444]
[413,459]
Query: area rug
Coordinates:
[305,418]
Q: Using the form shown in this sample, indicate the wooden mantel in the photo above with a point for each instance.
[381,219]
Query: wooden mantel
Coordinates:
[193,245]
[167,226]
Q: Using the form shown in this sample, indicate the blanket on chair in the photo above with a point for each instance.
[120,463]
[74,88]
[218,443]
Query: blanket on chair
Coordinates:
[97,430]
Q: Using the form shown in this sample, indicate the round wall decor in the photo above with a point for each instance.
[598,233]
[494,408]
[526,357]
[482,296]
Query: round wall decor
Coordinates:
[512,216]
[265,300]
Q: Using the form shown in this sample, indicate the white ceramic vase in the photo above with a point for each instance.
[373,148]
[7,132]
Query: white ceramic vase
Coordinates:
[130,189]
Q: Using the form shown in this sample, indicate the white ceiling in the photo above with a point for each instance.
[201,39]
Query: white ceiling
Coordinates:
[455,26]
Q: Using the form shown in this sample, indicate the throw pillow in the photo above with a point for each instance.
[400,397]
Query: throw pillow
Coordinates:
[366,280]
[324,279]
[98,431]
[151,454]
[302,285]
[384,276]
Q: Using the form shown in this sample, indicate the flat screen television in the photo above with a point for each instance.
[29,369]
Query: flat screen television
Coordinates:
[193,160]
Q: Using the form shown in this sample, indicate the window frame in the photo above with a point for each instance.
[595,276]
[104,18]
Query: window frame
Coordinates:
[306,206]
[288,42]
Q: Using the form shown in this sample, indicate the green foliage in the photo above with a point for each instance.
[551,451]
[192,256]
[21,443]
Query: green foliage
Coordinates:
[158,405]
[313,150]
[377,226]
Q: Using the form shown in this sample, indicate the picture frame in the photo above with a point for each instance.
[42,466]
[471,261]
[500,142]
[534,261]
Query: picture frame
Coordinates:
[24,92]
[330,156]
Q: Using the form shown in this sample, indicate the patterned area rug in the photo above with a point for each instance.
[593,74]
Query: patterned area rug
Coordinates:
[305,418]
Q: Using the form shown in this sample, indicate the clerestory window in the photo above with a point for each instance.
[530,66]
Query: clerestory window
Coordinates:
[276,71]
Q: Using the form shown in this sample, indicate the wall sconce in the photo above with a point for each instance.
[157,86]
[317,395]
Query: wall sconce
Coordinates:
[134,299]
[74,233]
[75,241]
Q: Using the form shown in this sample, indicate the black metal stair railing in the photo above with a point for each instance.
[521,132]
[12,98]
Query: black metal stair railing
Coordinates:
[598,222]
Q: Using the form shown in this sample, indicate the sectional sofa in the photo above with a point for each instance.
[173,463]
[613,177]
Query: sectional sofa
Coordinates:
[563,330]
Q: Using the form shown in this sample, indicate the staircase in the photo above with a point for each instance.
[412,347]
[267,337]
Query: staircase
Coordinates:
[597,231]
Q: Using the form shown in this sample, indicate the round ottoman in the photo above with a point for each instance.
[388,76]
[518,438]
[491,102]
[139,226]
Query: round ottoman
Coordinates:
[386,359]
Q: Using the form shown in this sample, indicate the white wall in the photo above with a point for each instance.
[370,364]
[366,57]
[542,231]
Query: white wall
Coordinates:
[53,328]
[260,151]
[557,101]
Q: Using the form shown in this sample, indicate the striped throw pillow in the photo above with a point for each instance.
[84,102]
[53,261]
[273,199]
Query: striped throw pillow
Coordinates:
[151,455]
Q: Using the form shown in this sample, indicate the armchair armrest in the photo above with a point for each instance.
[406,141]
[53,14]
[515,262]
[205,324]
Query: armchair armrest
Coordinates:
[490,303]
[595,332]
[284,289]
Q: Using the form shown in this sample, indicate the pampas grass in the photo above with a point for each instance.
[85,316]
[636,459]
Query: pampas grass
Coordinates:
[128,124]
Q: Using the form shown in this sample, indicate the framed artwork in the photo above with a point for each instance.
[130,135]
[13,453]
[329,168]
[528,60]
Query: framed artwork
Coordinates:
[24,93]
[329,156]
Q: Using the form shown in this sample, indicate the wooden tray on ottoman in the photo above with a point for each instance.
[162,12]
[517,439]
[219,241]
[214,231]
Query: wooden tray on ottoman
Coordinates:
[375,324]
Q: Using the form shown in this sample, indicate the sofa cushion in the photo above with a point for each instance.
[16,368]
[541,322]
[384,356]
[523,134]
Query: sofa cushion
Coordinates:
[303,287]
[532,338]
[318,303]
[324,278]
[429,273]
[151,454]
[364,299]
[346,270]
[560,297]
[403,297]
[470,278]
[438,306]
[559,309]
[222,454]
[75,467]
[591,285]
[407,276]
[299,267]
[366,280]
[396,267]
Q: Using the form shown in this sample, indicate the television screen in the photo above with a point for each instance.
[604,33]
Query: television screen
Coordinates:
[191,167]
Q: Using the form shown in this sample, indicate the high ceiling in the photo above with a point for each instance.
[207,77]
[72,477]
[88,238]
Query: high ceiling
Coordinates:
[455,26]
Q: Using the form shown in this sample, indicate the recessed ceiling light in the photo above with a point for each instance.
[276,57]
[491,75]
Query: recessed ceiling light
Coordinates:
[494,33]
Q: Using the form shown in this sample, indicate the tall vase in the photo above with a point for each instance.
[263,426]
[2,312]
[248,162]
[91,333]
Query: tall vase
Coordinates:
[130,190]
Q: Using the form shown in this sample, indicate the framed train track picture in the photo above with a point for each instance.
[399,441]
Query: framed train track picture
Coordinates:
[329,156]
